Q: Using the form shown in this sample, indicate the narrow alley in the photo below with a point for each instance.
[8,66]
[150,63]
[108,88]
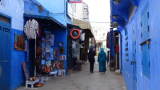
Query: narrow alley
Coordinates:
[85,81]
[79,44]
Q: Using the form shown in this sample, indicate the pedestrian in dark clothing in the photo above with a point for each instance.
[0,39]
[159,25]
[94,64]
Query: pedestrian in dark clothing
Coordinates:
[91,55]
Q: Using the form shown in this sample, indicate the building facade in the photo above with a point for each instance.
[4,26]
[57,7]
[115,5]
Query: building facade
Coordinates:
[79,11]
[138,26]
[13,17]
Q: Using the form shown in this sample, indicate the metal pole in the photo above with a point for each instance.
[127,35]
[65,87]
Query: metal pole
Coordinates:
[35,58]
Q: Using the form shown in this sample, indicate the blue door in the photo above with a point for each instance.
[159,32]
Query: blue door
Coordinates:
[5,55]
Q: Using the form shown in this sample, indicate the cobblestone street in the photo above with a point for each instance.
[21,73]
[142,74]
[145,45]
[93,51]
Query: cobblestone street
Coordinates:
[85,81]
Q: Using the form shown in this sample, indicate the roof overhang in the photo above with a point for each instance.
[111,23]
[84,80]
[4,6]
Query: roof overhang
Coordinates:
[38,11]
[122,9]
[82,24]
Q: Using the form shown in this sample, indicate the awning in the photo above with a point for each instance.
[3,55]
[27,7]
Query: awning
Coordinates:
[82,24]
[39,12]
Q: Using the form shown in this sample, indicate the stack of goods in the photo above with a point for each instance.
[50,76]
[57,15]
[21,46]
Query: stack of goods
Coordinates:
[34,82]
[31,81]
[47,52]
[58,68]
[54,67]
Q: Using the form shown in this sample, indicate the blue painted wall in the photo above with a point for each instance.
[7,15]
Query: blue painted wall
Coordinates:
[58,10]
[31,7]
[17,20]
[15,11]
[155,44]
[135,28]
[17,58]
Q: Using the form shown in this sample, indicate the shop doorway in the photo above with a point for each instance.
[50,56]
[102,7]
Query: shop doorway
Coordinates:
[47,49]
[5,52]
[31,54]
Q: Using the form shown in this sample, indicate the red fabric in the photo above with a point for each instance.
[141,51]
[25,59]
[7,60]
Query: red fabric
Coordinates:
[117,48]
[108,38]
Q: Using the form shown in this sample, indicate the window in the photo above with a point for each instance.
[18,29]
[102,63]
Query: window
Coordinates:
[126,47]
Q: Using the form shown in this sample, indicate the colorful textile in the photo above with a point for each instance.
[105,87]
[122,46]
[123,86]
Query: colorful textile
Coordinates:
[102,58]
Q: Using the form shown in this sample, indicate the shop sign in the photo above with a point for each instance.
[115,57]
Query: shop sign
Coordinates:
[75,33]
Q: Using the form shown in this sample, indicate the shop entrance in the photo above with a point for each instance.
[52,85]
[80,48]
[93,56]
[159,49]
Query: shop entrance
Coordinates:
[31,54]
[46,50]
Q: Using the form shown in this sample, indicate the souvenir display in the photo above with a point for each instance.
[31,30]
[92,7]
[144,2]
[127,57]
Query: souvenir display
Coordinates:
[62,57]
[50,59]
[31,29]
[52,62]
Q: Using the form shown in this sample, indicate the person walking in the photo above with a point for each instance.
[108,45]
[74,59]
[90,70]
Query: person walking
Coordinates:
[91,55]
[102,58]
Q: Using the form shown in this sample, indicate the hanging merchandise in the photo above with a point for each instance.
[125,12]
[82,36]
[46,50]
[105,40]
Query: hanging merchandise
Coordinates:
[82,37]
[75,33]
[53,57]
[31,29]
[52,40]
[58,68]
[47,45]
[61,47]
[56,53]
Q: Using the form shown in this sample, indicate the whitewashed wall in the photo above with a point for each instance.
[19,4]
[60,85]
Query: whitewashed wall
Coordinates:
[79,12]
[15,10]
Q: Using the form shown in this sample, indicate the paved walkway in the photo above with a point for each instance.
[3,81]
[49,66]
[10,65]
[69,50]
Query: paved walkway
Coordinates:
[84,80]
